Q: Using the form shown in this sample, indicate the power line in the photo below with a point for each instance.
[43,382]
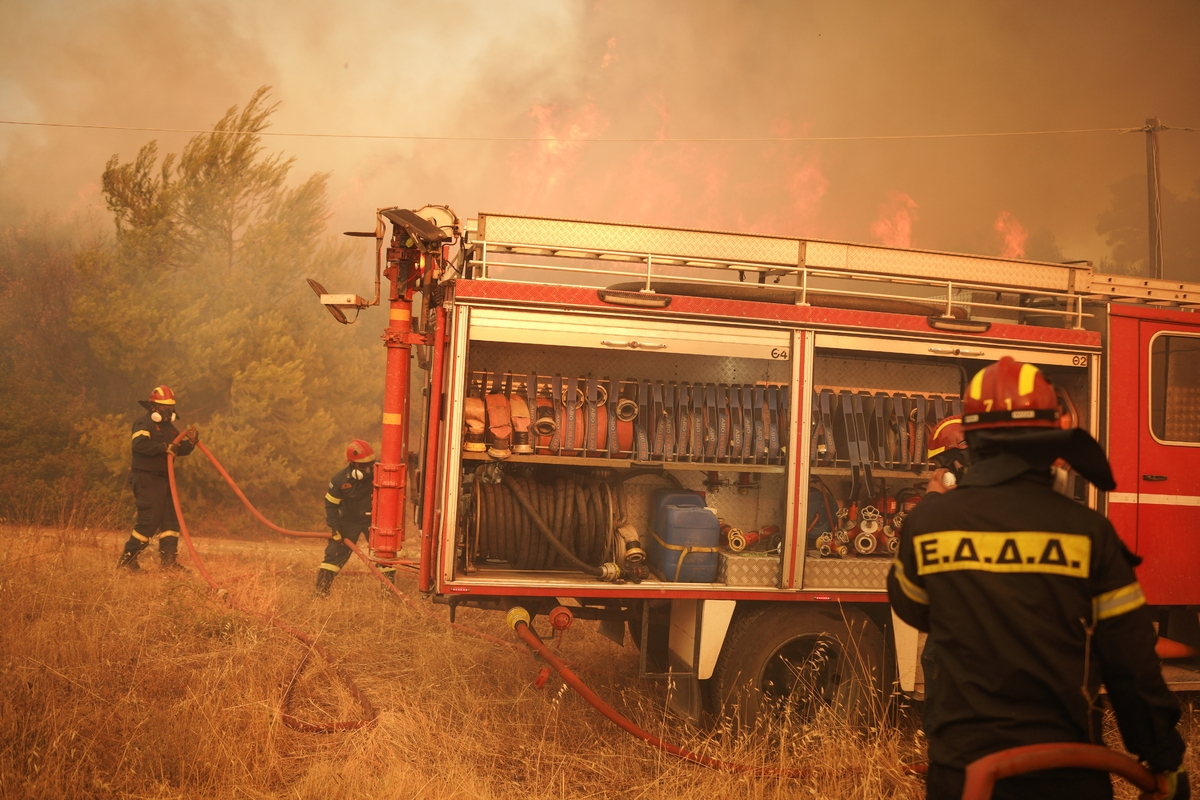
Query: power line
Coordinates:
[681,140]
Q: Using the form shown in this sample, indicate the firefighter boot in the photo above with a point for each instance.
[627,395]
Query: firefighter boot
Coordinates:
[129,555]
[324,581]
[169,561]
[390,574]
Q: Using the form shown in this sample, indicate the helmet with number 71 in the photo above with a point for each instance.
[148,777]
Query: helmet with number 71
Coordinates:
[1009,394]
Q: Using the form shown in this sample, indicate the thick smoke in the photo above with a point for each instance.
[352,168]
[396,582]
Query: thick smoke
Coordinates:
[586,70]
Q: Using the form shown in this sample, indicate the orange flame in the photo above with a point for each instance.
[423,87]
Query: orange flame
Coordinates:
[1013,233]
[772,190]
[896,217]
[540,170]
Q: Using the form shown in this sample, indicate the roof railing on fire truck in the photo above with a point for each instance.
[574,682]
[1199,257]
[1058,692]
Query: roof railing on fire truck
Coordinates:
[986,287]
[952,293]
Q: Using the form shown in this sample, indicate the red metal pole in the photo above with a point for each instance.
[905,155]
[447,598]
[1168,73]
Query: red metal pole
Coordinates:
[391,472]
[425,583]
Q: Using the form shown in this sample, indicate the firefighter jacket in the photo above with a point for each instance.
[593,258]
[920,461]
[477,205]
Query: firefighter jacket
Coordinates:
[348,501]
[150,440]
[1030,602]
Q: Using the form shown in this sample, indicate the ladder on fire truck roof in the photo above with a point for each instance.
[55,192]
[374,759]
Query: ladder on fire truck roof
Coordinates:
[984,285]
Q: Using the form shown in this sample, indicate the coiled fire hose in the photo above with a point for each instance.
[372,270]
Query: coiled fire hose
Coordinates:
[518,519]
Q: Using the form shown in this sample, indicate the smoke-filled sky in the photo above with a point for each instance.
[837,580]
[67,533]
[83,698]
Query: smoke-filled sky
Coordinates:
[592,69]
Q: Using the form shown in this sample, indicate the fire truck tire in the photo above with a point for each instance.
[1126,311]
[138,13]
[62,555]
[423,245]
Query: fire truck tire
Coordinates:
[796,659]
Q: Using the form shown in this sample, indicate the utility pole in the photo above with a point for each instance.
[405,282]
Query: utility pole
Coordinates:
[1154,196]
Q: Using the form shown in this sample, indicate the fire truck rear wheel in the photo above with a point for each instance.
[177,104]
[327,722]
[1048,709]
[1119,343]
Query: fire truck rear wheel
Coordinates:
[784,659]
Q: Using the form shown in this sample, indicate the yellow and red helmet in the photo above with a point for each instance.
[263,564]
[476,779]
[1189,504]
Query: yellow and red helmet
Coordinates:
[947,435]
[358,452]
[1009,394]
[163,396]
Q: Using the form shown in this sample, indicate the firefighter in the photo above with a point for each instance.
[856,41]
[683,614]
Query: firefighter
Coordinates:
[348,511]
[1030,602]
[949,453]
[154,436]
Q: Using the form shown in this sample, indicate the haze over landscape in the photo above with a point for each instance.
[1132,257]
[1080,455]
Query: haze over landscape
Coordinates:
[601,69]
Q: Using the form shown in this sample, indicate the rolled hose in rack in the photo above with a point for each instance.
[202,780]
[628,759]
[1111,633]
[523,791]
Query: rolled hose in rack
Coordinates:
[515,524]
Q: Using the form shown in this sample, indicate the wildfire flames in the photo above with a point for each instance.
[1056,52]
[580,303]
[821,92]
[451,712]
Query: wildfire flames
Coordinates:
[896,217]
[663,183]
[1012,234]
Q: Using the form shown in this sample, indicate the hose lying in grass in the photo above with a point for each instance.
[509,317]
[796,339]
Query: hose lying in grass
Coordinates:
[369,713]
[521,627]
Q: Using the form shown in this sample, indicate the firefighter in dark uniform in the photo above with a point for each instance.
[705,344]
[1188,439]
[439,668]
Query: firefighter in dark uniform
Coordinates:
[1030,602]
[348,511]
[153,437]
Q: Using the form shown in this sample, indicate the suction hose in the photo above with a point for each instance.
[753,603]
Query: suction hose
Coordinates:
[518,620]
[983,773]
[588,512]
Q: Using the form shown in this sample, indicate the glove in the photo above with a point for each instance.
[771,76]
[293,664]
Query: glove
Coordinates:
[192,435]
[337,536]
[1171,786]
[172,448]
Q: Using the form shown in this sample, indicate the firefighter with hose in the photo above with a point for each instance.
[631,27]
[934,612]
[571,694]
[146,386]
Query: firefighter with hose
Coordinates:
[348,512]
[154,435]
[1030,602]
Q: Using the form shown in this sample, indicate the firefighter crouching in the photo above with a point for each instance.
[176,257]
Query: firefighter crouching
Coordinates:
[153,437]
[348,511]
[1030,602]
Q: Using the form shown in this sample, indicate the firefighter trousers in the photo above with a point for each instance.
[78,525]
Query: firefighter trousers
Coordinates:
[337,552]
[155,514]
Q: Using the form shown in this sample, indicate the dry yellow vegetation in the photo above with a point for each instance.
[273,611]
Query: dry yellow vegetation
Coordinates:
[147,685]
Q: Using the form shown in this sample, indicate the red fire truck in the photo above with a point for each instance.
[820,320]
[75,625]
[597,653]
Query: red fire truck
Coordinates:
[712,439]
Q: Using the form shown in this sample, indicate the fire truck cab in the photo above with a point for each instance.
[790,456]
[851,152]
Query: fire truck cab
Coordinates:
[711,439]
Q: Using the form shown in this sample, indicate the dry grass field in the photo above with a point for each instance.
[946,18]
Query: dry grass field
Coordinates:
[147,686]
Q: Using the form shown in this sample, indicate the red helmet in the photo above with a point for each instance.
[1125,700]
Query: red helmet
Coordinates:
[163,396]
[948,435]
[359,451]
[1009,394]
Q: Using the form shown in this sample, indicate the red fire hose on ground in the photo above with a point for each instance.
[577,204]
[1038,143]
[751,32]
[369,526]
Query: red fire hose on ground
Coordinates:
[981,775]
[369,713]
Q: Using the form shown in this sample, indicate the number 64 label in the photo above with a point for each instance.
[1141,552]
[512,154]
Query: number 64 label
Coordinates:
[780,353]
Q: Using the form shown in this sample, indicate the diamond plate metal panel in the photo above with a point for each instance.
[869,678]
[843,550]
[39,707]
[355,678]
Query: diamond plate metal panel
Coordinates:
[748,569]
[550,233]
[947,266]
[868,573]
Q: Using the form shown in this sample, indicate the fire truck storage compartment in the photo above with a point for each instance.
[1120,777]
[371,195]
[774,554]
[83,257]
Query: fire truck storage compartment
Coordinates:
[873,406]
[605,414]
